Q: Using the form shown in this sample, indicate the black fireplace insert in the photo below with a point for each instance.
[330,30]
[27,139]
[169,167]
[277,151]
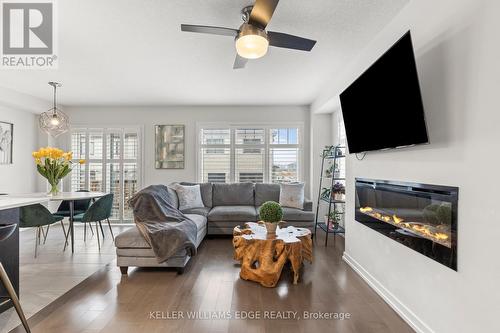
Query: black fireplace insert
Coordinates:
[420,216]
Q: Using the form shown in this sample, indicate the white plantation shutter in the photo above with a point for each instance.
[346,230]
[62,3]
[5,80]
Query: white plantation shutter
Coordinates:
[95,177]
[78,144]
[113,164]
[215,165]
[249,165]
[215,155]
[78,177]
[130,170]
[254,154]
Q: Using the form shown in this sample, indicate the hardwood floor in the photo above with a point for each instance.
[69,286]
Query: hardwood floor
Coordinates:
[53,272]
[109,302]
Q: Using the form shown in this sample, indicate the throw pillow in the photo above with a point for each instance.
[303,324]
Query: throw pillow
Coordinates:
[292,195]
[189,196]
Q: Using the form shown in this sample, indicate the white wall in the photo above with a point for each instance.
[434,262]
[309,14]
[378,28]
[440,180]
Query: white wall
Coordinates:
[321,136]
[458,59]
[189,116]
[20,177]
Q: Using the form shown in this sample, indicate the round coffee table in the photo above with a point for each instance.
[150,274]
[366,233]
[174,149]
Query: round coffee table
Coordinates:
[262,257]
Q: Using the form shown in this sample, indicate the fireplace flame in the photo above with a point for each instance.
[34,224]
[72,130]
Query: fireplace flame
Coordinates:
[420,229]
[440,235]
[397,219]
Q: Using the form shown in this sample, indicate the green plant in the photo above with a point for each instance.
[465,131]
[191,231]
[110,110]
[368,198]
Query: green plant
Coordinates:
[325,192]
[271,212]
[338,188]
[327,151]
[335,217]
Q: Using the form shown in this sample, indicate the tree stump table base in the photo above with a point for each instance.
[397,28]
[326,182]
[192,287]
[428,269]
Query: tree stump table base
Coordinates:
[262,256]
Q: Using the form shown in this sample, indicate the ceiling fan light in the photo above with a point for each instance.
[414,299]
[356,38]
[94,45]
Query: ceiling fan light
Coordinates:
[251,43]
[252,46]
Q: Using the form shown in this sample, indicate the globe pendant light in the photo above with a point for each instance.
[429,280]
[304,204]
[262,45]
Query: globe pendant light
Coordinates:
[54,122]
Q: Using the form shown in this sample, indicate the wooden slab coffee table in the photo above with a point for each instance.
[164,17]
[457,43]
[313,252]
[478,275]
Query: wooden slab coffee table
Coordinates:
[262,257]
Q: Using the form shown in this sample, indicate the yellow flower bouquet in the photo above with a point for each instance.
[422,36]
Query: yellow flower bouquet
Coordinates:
[53,164]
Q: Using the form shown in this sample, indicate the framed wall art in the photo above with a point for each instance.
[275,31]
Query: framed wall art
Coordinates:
[169,146]
[6,137]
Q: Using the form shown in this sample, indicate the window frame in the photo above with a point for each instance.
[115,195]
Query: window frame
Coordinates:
[267,146]
[104,160]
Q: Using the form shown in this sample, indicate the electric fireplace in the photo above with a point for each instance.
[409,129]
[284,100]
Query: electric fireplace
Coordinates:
[420,216]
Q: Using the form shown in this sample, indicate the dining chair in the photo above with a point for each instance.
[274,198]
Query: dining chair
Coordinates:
[37,216]
[5,232]
[79,207]
[98,212]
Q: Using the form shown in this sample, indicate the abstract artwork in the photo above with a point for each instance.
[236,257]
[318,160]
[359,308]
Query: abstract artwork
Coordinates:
[169,146]
[6,142]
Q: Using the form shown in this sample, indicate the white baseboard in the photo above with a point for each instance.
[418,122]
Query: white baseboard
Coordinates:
[411,318]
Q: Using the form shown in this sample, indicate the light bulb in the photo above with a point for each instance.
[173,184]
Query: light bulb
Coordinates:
[54,121]
[252,46]
[252,42]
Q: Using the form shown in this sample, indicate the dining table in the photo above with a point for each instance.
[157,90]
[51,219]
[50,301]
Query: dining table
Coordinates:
[71,197]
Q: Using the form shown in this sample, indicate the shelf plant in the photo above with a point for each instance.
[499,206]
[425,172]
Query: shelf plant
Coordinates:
[338,191]
[333,220]
[325,193]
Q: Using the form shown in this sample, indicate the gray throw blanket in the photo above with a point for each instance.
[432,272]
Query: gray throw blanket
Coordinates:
[165,228]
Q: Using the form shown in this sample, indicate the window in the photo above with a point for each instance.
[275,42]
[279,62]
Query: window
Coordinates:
[255,154]
[113,164]
[216,177]
[249,177]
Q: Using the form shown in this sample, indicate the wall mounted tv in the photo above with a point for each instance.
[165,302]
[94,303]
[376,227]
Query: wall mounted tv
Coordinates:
[383,107]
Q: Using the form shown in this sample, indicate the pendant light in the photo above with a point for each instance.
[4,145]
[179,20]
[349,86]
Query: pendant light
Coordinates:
[54,122]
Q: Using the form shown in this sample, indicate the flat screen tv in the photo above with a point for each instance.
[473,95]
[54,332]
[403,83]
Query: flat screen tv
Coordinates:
[383,107]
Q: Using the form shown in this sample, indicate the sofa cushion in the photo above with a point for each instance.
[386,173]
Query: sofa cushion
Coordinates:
[173,196]
[132,238]
[233,214]
[266,192]
[295,214]
[292,195]
[203,211]
[206,192]
[189,196]
[233,194]
[200,220]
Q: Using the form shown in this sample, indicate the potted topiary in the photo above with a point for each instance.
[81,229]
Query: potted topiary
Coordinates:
[271,214]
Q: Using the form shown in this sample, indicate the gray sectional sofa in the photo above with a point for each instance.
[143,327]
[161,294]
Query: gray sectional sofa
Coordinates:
[226,206]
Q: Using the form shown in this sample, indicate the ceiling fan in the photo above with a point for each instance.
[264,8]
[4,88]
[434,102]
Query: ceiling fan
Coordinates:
[252,39]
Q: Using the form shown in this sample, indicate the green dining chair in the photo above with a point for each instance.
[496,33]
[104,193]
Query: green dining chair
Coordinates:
[98,212]
[37,216]
[79,207]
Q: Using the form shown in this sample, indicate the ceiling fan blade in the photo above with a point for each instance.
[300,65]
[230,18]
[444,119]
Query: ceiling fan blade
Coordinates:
[279,39]
[239,62]
[205,29]
[262,12]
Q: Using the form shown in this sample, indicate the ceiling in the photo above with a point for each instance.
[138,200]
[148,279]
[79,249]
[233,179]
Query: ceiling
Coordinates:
[123,52]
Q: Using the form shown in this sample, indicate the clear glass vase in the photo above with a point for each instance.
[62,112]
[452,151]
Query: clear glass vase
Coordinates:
[54,189]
